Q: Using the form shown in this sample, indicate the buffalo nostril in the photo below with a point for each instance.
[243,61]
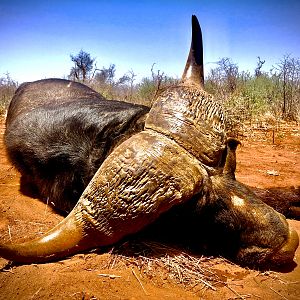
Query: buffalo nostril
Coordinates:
[287,251]
[292,242]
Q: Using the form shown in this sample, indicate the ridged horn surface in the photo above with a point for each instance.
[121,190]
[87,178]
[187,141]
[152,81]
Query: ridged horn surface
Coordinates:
[193,119]
[194,69]
[142,178]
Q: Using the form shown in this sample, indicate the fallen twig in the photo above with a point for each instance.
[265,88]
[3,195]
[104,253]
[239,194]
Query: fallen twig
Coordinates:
[139,281]
[112,276]
[207,284]
[9,271]
[278,293]
[35,293]
[9,233]
[235,292]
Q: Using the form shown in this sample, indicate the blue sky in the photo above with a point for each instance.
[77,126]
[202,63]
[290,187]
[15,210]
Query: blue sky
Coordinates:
[37,37]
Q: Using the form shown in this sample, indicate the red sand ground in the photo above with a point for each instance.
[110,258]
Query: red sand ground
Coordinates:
[23,218]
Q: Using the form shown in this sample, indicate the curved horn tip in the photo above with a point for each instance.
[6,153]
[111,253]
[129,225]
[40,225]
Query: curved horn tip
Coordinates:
[195,22]
[194,69]
[64,239]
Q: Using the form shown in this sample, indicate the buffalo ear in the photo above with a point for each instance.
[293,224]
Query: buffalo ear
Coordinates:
[193,71]
[230,162]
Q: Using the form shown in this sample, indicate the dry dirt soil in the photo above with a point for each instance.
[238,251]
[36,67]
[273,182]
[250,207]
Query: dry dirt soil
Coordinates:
[104,275]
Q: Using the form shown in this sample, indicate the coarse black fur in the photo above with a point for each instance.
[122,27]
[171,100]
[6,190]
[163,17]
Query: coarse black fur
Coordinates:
[57,147]
[52,91]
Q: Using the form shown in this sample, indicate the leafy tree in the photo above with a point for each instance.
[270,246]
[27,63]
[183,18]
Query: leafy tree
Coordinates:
[83,65]
[224,79]
[259,66]
[126,84]
[287,75]
[106,75]
[229,73]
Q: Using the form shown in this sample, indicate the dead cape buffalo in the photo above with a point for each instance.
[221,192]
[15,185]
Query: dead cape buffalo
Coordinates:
[181,159]
[58,133]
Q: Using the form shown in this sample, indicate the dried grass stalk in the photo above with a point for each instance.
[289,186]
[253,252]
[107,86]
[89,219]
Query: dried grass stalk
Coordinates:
[156,260]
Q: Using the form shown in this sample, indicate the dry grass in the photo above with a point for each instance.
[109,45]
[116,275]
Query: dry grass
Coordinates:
[156,260]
